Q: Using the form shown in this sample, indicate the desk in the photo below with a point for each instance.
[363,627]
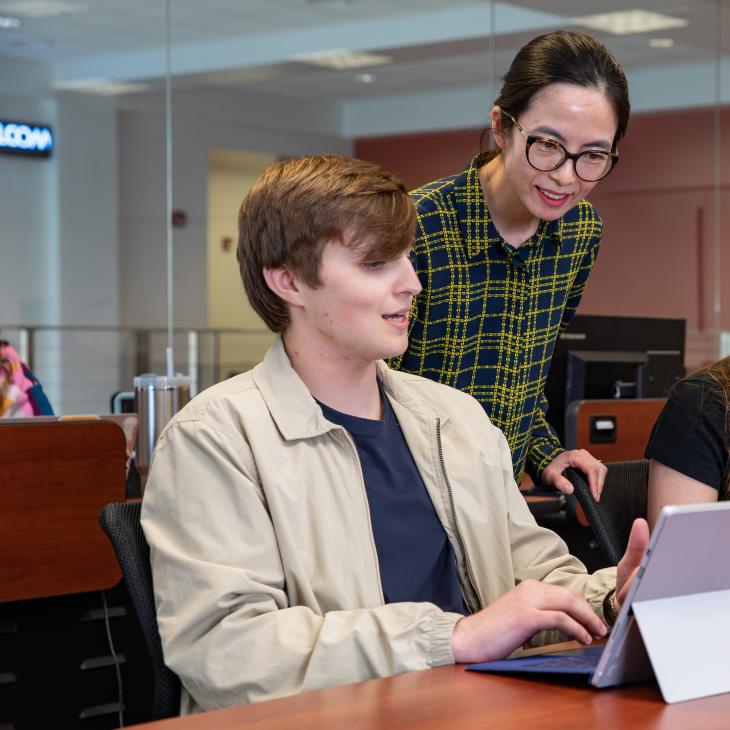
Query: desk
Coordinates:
[55,478]
[450,698]
[634,419]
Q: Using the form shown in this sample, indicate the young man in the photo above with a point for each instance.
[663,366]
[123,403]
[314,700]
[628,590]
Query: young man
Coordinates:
[322,519]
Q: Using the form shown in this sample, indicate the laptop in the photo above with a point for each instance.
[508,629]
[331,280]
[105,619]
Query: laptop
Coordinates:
[673,624]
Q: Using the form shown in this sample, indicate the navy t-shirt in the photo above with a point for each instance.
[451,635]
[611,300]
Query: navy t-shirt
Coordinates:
[417,562]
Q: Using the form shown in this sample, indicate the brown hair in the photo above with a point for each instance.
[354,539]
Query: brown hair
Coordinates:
[563,57]
[299,205]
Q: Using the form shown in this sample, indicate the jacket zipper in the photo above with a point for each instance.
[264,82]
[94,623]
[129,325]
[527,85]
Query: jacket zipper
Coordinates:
[457,530]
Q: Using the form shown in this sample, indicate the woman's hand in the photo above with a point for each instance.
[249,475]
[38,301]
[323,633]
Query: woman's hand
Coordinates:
[580,459]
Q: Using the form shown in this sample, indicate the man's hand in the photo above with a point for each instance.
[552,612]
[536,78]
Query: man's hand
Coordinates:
[496,631]
[629,563]
[580,459]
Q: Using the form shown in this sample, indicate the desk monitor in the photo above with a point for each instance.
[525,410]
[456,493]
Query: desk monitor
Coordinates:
[661,341]
[600,374]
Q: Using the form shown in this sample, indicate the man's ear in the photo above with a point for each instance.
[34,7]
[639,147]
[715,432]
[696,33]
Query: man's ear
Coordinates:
[284,284]
[498,130]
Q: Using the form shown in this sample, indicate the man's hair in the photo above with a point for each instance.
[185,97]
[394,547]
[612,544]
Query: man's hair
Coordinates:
[299,205]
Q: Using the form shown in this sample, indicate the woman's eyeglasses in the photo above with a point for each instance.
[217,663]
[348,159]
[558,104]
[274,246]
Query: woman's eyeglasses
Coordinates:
[547,154]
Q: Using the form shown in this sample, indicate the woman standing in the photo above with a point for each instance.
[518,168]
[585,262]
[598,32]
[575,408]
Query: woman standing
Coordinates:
[504,248]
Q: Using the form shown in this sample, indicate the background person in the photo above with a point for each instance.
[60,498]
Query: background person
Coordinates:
[21,394]
[689,446]
[323,519]
[504,248]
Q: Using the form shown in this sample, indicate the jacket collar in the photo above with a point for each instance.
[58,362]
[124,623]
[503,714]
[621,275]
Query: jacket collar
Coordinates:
[295,410]
[291,405]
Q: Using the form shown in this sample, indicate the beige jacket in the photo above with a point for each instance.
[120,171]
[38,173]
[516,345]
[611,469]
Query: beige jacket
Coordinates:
[265,568]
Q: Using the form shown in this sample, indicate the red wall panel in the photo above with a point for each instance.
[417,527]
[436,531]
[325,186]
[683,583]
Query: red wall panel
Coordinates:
[658,256]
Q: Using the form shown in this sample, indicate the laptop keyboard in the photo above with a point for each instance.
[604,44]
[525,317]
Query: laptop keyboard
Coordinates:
[573,661]
[584,660]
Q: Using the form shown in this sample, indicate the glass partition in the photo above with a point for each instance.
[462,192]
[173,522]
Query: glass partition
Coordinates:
[85,227]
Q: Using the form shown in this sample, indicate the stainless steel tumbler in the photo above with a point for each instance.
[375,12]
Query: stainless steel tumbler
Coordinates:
[157,399]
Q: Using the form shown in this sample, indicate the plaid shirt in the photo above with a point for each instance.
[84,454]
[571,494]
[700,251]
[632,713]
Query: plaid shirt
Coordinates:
[489,314]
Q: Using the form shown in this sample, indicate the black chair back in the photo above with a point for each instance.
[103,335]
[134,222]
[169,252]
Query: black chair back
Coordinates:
[623,500]
[121,522]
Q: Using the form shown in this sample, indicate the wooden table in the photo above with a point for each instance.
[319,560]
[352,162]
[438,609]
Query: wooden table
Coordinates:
[450,698]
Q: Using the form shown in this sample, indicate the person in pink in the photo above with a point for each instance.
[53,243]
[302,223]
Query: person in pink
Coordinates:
[21,395]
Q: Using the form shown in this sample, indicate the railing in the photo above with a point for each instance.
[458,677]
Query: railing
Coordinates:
[82,366]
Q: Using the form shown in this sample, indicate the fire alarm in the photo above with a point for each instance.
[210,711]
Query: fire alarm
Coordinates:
[226,243]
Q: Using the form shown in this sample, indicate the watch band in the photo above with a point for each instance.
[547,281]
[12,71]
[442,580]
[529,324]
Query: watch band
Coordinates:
[610,607]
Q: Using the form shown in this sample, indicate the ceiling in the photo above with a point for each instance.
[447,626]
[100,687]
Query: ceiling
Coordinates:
[255,46]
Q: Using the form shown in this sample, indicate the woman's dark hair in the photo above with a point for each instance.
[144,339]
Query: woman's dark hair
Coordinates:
[564,57]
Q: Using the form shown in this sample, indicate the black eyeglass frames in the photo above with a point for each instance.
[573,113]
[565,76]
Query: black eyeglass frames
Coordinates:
[547,154]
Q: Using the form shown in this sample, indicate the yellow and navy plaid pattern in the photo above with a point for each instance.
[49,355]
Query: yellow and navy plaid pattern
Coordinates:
[489,314]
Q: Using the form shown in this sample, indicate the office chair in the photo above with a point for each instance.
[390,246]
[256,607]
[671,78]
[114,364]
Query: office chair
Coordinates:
[623,499]
[120,521]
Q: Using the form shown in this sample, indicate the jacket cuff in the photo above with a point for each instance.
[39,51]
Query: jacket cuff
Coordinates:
[600,585]
[440,652]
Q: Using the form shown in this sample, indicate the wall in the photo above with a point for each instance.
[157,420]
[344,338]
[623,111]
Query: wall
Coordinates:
[230,176]
[88,251]
[28,204]
[658,256]
[199,126]
[59,236]
[419,158]
[83,234]
[203,121]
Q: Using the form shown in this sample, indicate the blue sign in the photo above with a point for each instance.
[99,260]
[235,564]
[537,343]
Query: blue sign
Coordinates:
[23,138]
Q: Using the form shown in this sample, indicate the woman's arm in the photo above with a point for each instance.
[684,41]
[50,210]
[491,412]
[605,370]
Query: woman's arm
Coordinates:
[668,486]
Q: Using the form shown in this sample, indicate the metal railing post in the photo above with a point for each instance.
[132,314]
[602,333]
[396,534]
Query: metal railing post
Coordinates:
[25,346]
[193,361]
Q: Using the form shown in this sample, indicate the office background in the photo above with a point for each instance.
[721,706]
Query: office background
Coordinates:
[83,233]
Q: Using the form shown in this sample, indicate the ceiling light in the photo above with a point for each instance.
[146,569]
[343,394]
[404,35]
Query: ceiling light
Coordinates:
[342,59]
[104,87]
[7,21]
[115,88]
[625,22]
[365,78]
[41,8]
[661,42]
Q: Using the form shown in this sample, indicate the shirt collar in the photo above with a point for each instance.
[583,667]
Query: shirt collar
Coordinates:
[477,226]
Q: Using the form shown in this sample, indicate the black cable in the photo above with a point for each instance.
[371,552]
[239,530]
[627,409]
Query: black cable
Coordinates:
[120,689]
